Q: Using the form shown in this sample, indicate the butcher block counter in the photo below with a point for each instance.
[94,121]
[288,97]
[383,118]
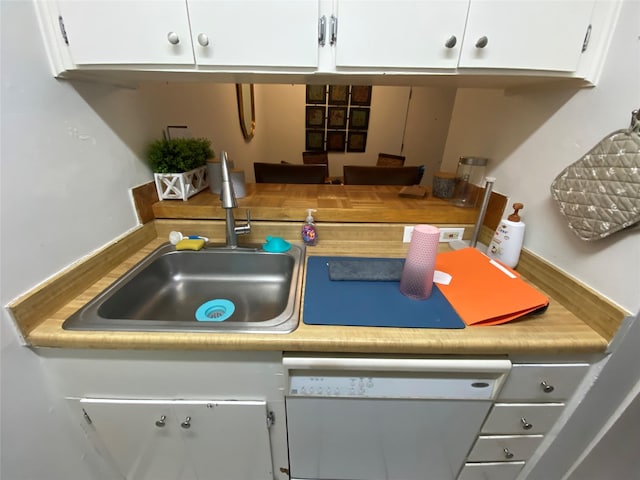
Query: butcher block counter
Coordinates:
[576,322]
[333,203]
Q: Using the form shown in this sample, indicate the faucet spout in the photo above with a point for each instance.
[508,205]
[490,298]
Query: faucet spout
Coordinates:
[229,202]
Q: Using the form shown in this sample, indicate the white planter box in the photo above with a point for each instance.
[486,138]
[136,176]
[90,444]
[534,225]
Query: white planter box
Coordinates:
[181,186]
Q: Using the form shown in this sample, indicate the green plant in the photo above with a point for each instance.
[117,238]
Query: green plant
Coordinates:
[179,155]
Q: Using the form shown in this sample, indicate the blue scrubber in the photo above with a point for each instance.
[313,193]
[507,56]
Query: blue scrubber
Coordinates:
[276,245]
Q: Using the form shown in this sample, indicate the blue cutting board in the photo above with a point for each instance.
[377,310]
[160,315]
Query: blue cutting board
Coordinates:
[370,304]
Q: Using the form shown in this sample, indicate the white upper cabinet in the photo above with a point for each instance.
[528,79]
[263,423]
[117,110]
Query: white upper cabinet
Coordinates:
[103,32]
[525,34]
[400,34]
[257,33]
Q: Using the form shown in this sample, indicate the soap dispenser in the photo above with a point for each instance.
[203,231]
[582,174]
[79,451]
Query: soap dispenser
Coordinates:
[507,241]
[309,231]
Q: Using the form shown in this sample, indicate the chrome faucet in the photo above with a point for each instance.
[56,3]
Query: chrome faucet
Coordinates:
[229,202]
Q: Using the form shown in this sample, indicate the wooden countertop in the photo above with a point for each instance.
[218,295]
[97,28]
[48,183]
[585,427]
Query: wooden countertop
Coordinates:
[558,331]
[334,203]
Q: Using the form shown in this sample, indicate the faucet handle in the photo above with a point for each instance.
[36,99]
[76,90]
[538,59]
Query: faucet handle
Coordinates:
[246,228]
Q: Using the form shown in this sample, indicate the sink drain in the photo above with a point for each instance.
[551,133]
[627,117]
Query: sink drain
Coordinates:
[217,310]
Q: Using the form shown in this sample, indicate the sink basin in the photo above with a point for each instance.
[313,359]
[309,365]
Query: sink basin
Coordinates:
[211,290]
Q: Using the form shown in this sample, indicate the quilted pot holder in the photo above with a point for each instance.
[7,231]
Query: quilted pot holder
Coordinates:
[600,193]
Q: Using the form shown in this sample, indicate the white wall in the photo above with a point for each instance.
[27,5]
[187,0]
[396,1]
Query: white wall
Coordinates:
[531,136]
[64,192]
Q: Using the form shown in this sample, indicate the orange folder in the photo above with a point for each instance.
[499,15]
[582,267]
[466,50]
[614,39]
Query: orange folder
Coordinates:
[484,291]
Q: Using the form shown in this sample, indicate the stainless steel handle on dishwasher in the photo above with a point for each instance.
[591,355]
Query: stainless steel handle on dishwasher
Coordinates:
[186,423]
[526,425]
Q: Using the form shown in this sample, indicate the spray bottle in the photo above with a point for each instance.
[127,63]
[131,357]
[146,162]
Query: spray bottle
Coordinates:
[507,241]
[309,230]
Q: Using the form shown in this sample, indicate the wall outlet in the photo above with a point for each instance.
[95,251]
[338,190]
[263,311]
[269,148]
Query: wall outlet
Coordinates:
[408,232]
[449,234]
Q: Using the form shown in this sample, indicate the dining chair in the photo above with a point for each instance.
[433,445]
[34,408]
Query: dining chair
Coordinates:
[288,173]
[367,175]
[316,158]
[389,160]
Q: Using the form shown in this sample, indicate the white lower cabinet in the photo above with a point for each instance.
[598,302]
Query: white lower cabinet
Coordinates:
[497,448]
[528,406]
[491,471]
[147,439]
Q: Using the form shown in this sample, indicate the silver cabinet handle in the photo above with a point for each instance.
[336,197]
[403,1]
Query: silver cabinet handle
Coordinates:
[451,42]
[186,423]
[526,425]
[162,422]
[508,454]
[546,388]
[322,30]
[173,38]
[203,40]
[482,42]
[334,30]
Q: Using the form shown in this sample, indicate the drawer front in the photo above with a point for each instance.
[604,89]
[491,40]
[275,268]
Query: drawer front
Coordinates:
[504,448]
[522,418]
[491,471]
[542,382]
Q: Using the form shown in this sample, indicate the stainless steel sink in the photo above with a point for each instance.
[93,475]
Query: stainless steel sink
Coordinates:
[211,290]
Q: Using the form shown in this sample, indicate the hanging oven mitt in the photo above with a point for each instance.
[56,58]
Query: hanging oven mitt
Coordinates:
[600,193]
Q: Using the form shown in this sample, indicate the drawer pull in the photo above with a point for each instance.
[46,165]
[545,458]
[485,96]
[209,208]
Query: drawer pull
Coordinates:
[546,388]
[162,422]
[526,425]
[508,454]
[187,423]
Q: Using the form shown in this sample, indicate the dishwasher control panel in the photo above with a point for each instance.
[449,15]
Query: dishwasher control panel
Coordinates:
[373,385]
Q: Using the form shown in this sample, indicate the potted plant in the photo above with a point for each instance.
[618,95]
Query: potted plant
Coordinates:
[179,166]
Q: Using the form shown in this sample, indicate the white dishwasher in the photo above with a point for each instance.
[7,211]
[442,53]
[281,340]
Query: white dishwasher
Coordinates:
[386,417]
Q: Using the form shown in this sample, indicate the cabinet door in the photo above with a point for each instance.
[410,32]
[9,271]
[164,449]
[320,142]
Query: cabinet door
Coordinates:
[526,34]
[407,34]
[493,471]
[542,382]
[504,448]
[522,418]
[256,33]
[103,32]
[227,439]
[139,438]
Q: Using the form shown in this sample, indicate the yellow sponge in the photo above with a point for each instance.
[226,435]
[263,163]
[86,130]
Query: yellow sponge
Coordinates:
[190,244]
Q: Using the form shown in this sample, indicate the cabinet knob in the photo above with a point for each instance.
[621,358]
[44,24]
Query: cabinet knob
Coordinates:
[526,425]
[162,422]
[186,423]
[173,38]
[482,42]
[546,388]
[451,42]
[203,39]
[508,454]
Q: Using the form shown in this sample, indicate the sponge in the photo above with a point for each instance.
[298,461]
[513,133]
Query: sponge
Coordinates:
[190,244]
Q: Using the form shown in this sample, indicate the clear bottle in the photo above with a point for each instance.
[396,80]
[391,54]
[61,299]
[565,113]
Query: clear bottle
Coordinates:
[469,178]
[309,231]
[507,241]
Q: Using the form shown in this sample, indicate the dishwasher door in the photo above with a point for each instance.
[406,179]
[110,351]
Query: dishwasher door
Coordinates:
[376,420]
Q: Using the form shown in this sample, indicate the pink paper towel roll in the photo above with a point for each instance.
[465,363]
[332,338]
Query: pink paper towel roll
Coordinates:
[417,275]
